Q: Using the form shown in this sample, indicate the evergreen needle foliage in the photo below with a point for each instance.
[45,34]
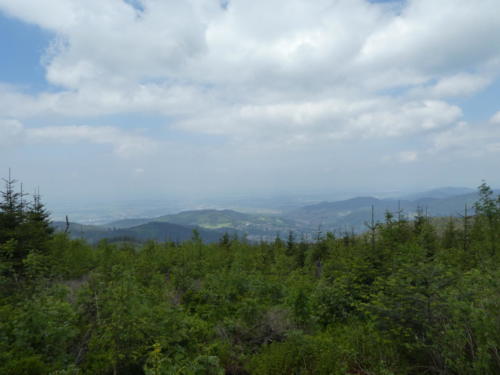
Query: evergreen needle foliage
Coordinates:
[404,298]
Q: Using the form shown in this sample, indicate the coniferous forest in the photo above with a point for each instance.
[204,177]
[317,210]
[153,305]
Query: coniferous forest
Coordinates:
[405,297]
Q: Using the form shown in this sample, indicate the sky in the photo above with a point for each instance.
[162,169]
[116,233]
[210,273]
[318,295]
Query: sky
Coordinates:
[133,99]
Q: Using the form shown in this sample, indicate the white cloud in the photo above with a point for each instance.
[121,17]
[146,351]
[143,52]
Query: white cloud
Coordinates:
[459,85]
[328,120]
[434,36]
[495,119]
[124,144]
[109,41]
[94,101]
[462,84]
[408,156]
[467,140]
[294,71]
[10,132]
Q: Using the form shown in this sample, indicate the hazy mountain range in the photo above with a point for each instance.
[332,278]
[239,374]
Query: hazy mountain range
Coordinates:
[345,215]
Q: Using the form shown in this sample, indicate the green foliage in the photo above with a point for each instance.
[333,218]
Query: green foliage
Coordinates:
[487,224]
[37,333]
[406,298]
[160,364]
[24,226]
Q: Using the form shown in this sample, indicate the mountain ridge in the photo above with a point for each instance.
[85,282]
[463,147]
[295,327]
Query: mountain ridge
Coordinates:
[349,214]
[158,231]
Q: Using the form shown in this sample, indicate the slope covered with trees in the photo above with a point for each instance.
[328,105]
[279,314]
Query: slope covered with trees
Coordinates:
[401,298]
[158,231]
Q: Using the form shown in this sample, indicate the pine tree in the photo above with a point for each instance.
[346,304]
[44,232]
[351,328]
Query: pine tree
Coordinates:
[301,252]
[24,228]
[290,244]
[450,235]
[488,211]
[11,218]
[11,210]
[36,227]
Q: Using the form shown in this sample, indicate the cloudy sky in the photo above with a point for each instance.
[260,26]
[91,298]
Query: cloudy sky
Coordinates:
[126,99]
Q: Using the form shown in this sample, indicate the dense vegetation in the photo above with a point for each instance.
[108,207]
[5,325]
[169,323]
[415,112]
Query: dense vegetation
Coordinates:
[402,298]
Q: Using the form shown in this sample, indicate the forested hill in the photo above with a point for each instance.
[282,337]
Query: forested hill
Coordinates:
[353,214]
[401,299]
[439,193]
[156,231]
[210,225]
[221,220]
[214,219]
[348,215]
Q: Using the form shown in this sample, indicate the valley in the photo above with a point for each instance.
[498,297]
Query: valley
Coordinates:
[350,215]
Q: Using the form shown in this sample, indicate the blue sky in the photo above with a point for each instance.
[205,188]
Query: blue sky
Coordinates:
[22,48]
[120,99]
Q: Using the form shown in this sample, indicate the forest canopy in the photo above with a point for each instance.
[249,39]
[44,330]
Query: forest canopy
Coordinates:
[405,297]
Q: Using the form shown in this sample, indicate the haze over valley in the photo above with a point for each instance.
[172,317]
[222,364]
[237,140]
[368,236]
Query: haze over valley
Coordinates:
[351,215]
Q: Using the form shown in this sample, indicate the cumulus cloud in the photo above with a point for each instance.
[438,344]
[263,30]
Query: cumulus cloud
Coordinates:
[112,41]
[433,37]
[467,140]
[294,71]
[458,85]
[326,120]
[123,144]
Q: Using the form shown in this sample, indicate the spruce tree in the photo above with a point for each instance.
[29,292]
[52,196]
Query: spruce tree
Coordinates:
[290,244]
[37,225]
[487,223]
[450,235]
[24,228]
[11,210]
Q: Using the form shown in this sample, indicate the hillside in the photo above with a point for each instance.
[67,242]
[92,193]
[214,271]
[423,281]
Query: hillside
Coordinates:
[150,231]
[439,193]
[352,214]
[339,216]
[219,220]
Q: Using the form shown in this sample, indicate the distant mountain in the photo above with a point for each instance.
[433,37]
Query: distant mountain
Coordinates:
[353,214]
[349,204]
[149,231]
[129,223]
[77,228]
[350,214]
[335,215]
[252,224]
[211,219]
[451,206]
[440,193]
